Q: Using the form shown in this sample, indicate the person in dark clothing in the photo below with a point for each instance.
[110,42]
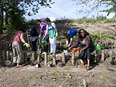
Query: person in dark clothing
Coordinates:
[33,40]
[86,46]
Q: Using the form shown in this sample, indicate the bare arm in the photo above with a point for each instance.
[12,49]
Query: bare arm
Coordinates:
[70,42]
[46,31]
[22,38]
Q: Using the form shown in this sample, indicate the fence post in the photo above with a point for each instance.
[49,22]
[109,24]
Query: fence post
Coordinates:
[73,58]
[45,58]
[63,58]
[54,59]
[102,56]
[110,54]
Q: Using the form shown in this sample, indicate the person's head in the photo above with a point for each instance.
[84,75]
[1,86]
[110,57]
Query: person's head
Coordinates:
[23,30]
[82,33]
[31,24]
[47,20]
[38,21]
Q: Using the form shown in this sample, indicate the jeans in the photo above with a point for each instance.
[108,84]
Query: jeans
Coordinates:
[17,53]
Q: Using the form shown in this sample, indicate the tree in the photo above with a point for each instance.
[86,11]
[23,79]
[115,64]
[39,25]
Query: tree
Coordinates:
[12,11]
[112,8]
[89,6]
[1,16]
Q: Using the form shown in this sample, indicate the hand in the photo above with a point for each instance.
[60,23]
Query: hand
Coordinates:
[43,37]
[27,45]
[69,49]
[56,34]
[69,45]
[39,35]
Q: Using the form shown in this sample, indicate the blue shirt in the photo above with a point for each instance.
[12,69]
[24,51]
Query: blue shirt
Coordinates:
[71,32]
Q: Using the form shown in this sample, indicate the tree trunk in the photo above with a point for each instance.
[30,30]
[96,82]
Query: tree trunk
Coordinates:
[1,22]
[1,16]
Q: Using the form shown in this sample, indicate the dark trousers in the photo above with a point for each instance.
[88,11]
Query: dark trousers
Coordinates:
[34,45]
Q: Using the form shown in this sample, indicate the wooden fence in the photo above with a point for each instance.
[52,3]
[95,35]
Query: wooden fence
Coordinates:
[6,53]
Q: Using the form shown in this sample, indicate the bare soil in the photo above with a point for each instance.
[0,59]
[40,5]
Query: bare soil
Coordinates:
[67,76]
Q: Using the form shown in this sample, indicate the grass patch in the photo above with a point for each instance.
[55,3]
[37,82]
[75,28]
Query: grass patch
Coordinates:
[100,36]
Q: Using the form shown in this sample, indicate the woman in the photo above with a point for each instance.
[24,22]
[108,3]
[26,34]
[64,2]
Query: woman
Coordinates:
[17,39]
[52,34]
[86,46]
[42,29]
[43,43]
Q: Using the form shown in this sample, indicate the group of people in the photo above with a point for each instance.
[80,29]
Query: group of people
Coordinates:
[48,32]
[82,42]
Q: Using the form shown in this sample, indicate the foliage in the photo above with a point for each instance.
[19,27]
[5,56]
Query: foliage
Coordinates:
[33,6]
[14,10]
[98,40]
[103,36]
[112,8]
[27,4]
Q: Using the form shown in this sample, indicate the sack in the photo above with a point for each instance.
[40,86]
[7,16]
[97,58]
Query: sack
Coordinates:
[43,42]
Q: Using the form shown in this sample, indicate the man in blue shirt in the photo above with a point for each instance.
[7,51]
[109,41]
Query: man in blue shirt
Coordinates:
[70,34]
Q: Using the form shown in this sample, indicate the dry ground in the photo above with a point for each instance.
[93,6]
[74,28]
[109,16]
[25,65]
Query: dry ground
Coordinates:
[67,76]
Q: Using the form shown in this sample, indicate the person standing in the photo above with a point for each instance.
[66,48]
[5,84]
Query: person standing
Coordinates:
[17,40]
[42,27]
[52,34]
[43,42]
[33,40]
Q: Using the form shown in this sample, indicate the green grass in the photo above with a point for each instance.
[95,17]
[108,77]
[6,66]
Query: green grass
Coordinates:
[101,36]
